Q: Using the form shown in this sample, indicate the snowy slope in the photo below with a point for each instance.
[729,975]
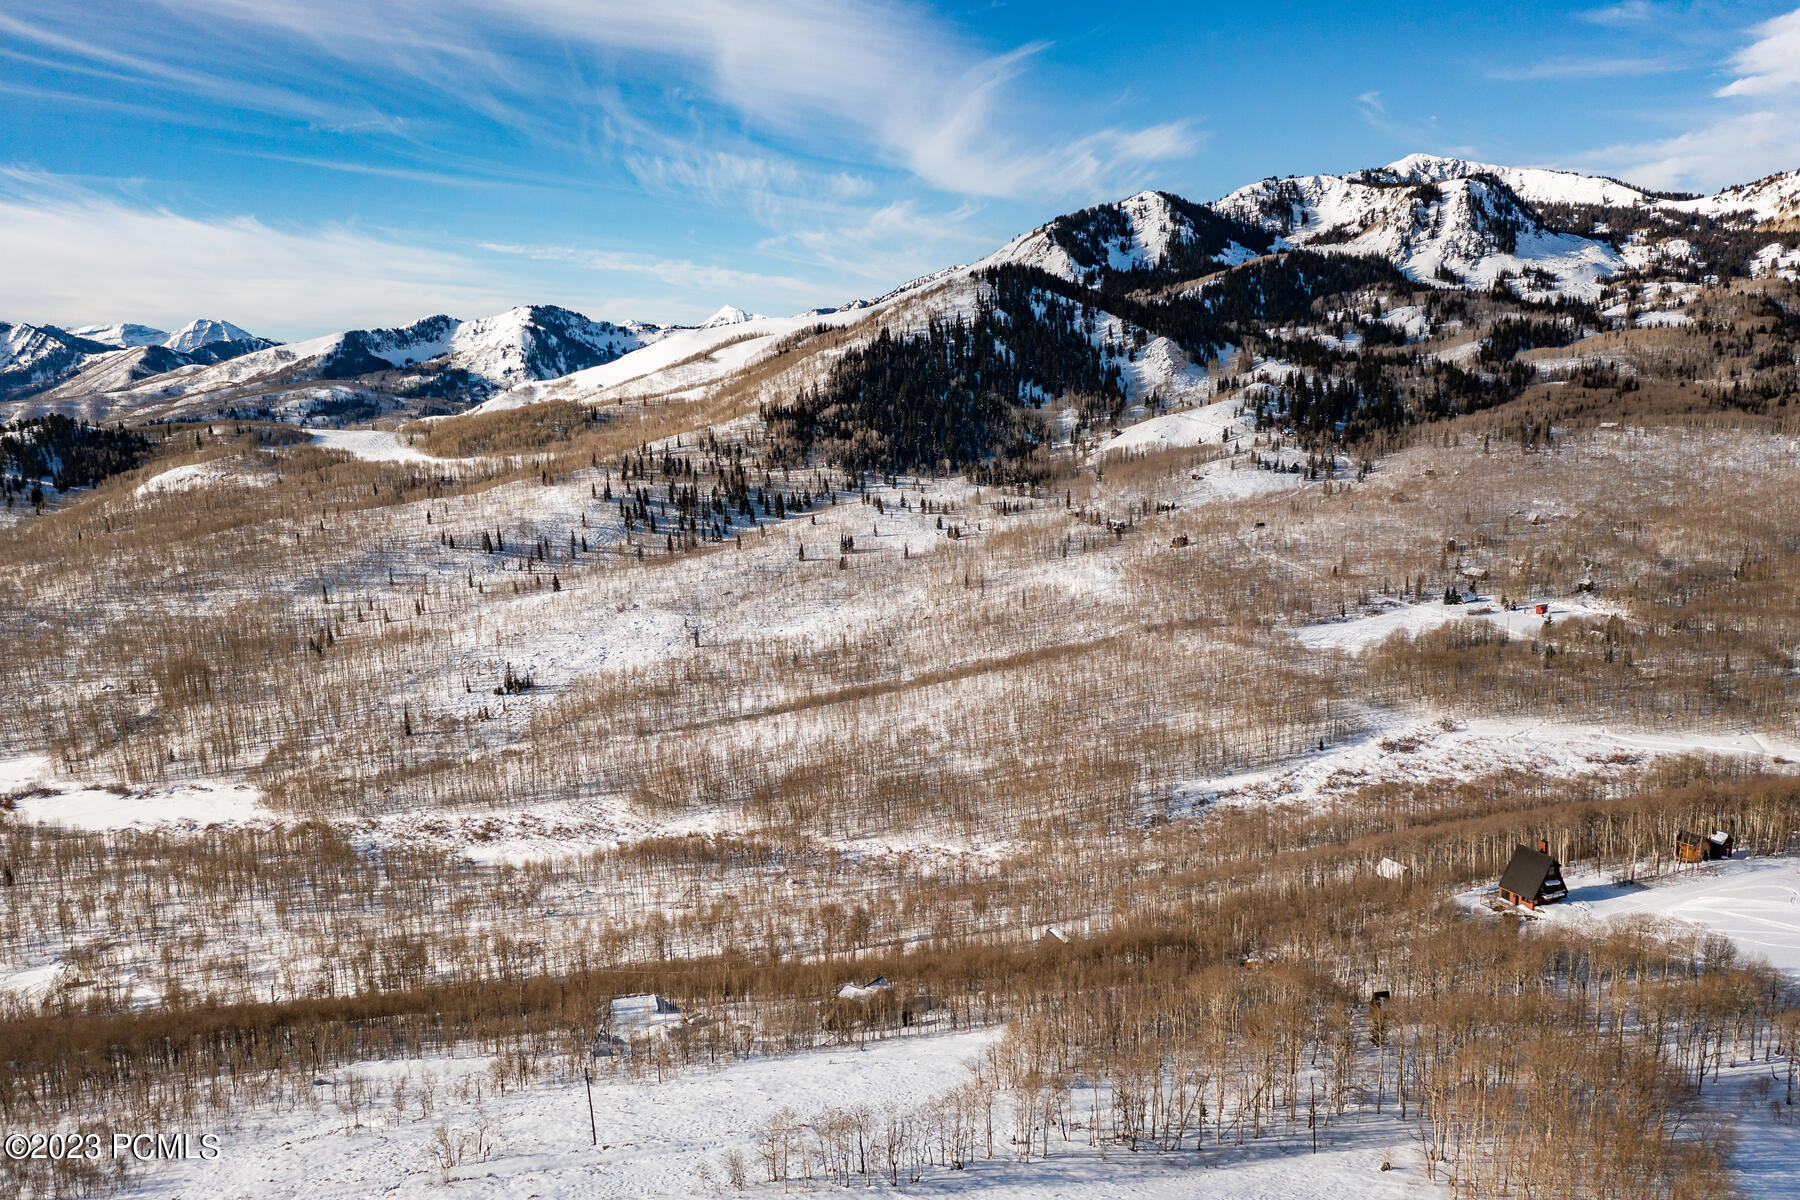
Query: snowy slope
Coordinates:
[683,361]
[123,335]
[1776,259]
[118,370]
[1753,901]
[540,342]
[670,358]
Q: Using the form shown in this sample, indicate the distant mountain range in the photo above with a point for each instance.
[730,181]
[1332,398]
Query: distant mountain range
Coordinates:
[1537,234]
[34,358]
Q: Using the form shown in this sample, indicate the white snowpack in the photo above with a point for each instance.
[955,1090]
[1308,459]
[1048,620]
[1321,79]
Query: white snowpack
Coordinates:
[195,475]
[373,445]
[1753,901]
[1358,634]
[1776,259]
[48,800]
[1395,747]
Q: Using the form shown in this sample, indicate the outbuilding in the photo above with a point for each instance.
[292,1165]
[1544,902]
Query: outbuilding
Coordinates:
[1692,847]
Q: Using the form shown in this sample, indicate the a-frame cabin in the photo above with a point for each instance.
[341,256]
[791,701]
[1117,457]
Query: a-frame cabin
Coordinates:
[1532,878]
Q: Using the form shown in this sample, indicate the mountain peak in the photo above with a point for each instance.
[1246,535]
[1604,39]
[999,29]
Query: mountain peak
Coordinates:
[729,315]
[204,330]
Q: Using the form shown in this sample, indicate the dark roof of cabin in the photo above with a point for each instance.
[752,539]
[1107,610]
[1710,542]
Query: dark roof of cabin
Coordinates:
[1526,873]
[1688,838]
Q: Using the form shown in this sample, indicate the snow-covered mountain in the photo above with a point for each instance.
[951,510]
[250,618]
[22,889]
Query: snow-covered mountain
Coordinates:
[119,369]
[1151,233]
[532,342]
[730,315]
[1534,185]
[1773,200]
[34,356]
[1462,231]
[539,342]
[203,331]
[39,358]
[440,359]
[123,335]
[1445,221]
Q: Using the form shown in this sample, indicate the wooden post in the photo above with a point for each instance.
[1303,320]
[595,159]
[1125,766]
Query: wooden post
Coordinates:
[587,1073]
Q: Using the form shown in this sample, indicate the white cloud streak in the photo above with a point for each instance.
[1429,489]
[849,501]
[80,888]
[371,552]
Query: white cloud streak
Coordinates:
[1771,64]
[1748,135]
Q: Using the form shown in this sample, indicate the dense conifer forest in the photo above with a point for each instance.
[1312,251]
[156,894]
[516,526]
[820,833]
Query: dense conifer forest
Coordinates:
[65,453]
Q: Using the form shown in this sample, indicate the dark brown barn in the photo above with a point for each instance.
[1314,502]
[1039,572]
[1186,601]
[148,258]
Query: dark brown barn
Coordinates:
[1532,878]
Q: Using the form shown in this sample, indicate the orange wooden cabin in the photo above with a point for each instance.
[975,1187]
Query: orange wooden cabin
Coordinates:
[1692,847]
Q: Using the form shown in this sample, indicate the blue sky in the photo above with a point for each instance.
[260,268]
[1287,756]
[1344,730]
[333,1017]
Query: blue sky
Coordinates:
[300,166]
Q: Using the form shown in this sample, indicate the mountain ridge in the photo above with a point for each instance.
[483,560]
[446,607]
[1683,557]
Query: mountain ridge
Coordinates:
[1447,222]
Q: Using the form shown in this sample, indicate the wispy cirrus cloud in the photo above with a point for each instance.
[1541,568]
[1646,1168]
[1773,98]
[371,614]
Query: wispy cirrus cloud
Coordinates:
[1631,12]
[883,244]
[1588,68]
[848,77]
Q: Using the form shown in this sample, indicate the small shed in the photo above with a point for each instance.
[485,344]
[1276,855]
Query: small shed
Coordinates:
[1532,878]
[1387,868]
[1692,847]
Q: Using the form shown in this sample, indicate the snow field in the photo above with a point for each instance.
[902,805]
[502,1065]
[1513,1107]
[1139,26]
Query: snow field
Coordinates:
[1754,902]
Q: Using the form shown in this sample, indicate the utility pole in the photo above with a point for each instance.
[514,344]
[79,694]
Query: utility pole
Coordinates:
[587,1073]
